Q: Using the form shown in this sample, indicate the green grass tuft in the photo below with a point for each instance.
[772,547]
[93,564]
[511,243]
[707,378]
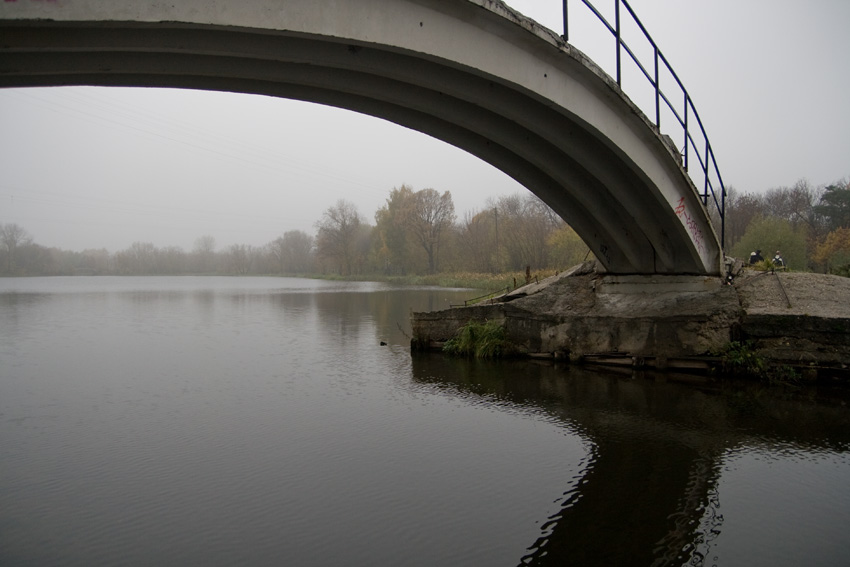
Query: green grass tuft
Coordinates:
[479,340]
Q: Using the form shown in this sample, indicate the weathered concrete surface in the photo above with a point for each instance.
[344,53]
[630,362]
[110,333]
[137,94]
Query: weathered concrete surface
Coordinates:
[665,321]
[473,73]
[798,318]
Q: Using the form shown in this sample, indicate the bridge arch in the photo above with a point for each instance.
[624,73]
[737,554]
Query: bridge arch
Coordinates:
[473,73]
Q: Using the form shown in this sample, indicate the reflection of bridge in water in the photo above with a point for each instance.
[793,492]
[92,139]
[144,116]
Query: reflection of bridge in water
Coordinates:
[648,491]
[473,73]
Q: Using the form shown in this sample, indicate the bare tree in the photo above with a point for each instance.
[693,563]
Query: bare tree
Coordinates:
[293,252]
[741,209]
[203,254]
[431,217]
[336,238]
[795,204]
[12,237]
[170,260]
[240,258]
[525,224]
[94,261]
[478,240]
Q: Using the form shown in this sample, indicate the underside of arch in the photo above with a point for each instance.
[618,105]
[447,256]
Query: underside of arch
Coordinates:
[611,203]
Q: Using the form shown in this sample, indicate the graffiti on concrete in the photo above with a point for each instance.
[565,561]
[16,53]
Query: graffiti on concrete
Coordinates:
[691,224]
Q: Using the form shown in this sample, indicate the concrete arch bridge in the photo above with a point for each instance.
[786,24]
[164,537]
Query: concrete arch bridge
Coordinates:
[473,73]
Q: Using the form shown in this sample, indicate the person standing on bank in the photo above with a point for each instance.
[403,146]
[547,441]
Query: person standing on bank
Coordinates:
[778,262]
[755,257]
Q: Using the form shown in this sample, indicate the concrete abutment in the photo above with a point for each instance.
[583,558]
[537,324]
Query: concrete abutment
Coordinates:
[675,322]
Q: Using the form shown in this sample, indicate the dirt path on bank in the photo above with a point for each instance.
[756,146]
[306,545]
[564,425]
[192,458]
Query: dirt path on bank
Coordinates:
[816,295]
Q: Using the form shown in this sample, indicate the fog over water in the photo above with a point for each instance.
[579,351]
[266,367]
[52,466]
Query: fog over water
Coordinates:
[90,168]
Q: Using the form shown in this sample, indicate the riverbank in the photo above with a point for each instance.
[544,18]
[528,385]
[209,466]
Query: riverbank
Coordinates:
[795,320]
[491,284]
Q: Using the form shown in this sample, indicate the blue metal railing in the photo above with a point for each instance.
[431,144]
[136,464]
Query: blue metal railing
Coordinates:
[707,161]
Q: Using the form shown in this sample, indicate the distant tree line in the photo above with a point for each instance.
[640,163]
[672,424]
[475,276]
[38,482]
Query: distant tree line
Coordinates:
[414,233]
[418,232]
[809,226]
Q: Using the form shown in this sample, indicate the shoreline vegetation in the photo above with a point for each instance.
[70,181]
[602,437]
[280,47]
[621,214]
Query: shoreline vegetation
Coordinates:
[489,283]
[416,233]
[416,238]
[485,283]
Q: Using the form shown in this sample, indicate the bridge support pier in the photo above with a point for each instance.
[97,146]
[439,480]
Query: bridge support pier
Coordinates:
[583,315]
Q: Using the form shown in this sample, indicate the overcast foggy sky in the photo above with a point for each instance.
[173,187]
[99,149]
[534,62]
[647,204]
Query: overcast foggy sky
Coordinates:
[93,167]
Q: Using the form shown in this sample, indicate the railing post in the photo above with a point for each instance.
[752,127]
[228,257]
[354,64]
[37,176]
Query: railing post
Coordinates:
[686,131]
[657,94]
[722,215]
[705,171]
[566,23]
[617,35]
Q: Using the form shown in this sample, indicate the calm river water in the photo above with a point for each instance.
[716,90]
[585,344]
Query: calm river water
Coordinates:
[259,421]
